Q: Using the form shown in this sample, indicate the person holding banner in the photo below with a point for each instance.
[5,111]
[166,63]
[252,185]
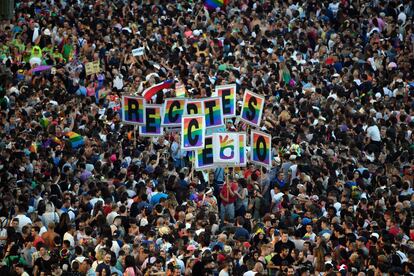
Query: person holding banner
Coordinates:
[176,153]
[228,196]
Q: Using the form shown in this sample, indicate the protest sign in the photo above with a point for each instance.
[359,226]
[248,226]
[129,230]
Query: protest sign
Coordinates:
[193,132]
[133,110]
[138,52]
[261,146]
[194,107]
[242,150]
[92,68]
[173,111]
[252,108]
[227,93]
[152,126]
[226,148]
[204,157]
[213,112]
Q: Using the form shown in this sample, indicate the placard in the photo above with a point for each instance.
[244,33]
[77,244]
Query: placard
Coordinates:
[92,68]
[194,107]
[226,148]
[138,52]
[173,112]
[227,93]
[193,132]
[204,157]
[252,108]
[242,150]
[133,110]
[213,112]
[152,126]
[261,147]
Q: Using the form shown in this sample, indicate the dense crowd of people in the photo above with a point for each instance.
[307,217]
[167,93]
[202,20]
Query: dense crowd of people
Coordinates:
[338,79]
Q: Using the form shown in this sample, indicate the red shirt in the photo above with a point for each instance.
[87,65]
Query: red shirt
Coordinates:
[224,192]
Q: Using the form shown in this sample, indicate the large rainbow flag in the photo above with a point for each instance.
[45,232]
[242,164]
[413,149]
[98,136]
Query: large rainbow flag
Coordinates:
[214,4]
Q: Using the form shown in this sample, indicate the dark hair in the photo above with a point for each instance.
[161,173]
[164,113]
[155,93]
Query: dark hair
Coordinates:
[129,261]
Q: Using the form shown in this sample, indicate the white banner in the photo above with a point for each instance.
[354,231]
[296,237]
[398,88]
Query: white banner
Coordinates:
[226,148]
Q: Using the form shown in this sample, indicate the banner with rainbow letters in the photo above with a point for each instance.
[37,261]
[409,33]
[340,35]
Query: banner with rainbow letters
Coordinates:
[133,110]
[173,111]
[252,108]
[152,126]
[226,148]
[204,157]
[192,132]
[227,93]
[261,148]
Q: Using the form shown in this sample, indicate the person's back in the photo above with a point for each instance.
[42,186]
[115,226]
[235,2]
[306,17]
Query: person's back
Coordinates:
[50,235]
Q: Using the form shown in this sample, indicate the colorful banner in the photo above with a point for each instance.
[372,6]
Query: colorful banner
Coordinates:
[173,112]
[133,110]
[194,107]
[261,147]
[213,112]
[252,108]
[152,126]
[242,150]
[204,157]
[193,132]
[227,93]
[226,148]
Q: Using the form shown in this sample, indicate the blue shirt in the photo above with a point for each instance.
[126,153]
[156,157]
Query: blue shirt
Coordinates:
[155,199]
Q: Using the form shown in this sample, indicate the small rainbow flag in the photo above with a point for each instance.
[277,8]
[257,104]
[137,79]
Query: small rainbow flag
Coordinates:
[76,140]
[214,4]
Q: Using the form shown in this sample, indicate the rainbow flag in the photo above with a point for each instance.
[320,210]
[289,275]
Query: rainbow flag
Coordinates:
[150,92]
[75,139]
[214,4]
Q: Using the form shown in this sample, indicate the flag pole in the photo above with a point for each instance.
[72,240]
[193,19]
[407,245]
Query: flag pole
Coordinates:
[135,136]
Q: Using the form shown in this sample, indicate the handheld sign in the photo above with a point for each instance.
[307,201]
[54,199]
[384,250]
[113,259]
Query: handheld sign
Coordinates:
[194,107]
[173,112]
[138,52]
[242,150]
[133,110]
[261,146]
[204,157]
[152,126]
[193,132]
[252,108]
[226,148]
[227,93]
[213,112]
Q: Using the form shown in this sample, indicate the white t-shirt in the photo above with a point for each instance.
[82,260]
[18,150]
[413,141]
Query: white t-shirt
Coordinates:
[373,133]
[68,237]
[23,221]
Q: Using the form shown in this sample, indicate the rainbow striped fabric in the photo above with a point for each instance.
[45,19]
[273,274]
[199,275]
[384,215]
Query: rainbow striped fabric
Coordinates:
[214,4]
[75,139]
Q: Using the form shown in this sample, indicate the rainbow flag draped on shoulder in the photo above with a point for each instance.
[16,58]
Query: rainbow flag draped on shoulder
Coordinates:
[214,4]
